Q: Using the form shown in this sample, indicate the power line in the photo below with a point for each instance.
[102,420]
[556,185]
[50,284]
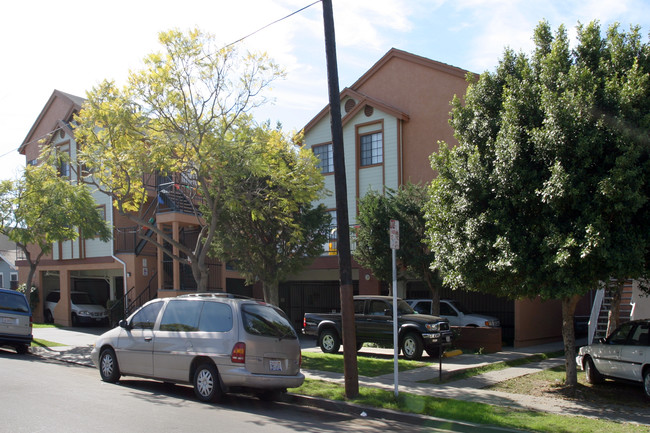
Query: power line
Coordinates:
[274,22]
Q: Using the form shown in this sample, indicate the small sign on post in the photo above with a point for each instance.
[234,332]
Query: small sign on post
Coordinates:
[394,234]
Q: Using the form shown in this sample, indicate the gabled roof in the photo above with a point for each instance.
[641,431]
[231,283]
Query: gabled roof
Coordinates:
[75,103]
[363,100]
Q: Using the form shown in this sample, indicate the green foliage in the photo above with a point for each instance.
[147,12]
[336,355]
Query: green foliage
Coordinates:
[267,226]
[368,366]
[547,191]
[41,208]
[373,241]
[32,295]
[185,114]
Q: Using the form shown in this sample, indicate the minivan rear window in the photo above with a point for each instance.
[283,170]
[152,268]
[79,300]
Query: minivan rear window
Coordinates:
[266,321]
[11,302]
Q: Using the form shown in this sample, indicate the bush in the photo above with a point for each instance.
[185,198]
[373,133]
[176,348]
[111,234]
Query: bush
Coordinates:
[32,296]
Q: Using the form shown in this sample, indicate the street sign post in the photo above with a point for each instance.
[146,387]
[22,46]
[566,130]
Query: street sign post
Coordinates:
[394,246]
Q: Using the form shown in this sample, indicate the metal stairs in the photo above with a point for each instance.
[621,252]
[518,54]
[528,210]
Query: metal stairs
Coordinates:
[601,307]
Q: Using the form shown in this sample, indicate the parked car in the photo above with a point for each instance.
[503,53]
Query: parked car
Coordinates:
[625,354]
[455,312]
[216,342]
[83,309]
[373,318]
[15,321]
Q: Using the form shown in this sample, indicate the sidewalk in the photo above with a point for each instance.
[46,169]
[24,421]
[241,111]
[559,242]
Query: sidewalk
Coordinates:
[79,342]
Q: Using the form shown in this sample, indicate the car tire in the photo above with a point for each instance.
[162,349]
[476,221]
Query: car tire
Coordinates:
[592,374]
[271,394]
[48,317]
[329,341]
[412,346]
[646,383]
[21,349]
[207,386]
[433,352]
[109,370]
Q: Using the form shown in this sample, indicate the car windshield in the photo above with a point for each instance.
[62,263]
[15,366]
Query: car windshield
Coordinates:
[461,307]
[404,308]
[80,299]
[265,320]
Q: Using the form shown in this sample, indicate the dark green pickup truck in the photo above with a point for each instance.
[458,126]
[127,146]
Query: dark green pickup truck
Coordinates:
[373,316]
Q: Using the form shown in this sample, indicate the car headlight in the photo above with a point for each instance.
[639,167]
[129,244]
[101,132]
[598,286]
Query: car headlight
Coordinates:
[433,326]
[84,313]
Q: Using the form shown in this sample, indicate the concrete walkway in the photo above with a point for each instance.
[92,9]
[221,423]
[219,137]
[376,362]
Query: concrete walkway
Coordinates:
[79,342]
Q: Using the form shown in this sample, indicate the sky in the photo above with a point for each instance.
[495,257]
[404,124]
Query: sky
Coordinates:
[73,45]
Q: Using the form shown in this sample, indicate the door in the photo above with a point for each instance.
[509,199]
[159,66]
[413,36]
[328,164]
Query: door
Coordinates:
[378,321]
[607,356]
[135,345]
[635,353]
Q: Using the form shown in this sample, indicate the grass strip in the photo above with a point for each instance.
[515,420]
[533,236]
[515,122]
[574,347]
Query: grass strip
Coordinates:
[37,342]
[368,366]
[46,325]
[501,365]
[457,410]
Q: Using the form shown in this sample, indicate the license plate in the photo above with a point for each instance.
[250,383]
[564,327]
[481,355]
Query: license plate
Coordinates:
[9,321]
[448,338]
[275,365]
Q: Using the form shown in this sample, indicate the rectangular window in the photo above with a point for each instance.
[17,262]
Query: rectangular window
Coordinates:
[2,280]
[325,158]
[13,280]
[371,149]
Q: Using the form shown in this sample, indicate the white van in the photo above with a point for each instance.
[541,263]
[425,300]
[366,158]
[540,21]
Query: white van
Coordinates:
[83,310]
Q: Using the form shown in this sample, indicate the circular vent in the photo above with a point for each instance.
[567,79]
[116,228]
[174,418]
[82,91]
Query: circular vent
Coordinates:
[349,105]
[368,110]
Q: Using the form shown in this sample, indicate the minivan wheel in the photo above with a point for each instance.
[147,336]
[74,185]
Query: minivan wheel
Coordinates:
[206,383]
[48,317]
[21,349]
[108,368]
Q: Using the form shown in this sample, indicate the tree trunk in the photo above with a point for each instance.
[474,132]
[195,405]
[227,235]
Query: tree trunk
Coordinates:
[615,289]
[568,335]
[434,291]
[271,295]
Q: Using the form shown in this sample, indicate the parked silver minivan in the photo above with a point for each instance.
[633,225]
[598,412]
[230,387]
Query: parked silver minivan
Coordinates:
[15,321]
[216,342]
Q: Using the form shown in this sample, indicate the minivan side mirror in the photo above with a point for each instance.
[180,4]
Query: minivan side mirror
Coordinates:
[124,324]
[388,312]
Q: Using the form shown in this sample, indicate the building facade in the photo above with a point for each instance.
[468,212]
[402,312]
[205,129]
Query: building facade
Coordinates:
[394,117]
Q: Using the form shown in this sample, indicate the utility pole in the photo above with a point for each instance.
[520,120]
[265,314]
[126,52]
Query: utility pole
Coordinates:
[350,369]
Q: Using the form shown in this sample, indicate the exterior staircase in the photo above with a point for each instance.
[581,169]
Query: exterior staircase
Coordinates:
[601,307]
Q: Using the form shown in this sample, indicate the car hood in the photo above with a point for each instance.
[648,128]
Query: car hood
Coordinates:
[422,318]
[91,308]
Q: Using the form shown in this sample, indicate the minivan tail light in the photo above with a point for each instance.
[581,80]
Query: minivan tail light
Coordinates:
[238,355]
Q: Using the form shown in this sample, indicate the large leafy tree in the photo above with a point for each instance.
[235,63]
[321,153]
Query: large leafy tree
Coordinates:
[41,207]
[547,192]
[373,241]
[268,227]
[178,115]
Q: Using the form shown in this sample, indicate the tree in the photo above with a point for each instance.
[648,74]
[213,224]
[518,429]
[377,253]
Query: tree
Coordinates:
[373,241]
[268,227]
[176,116]
[547,192]
[41,207]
